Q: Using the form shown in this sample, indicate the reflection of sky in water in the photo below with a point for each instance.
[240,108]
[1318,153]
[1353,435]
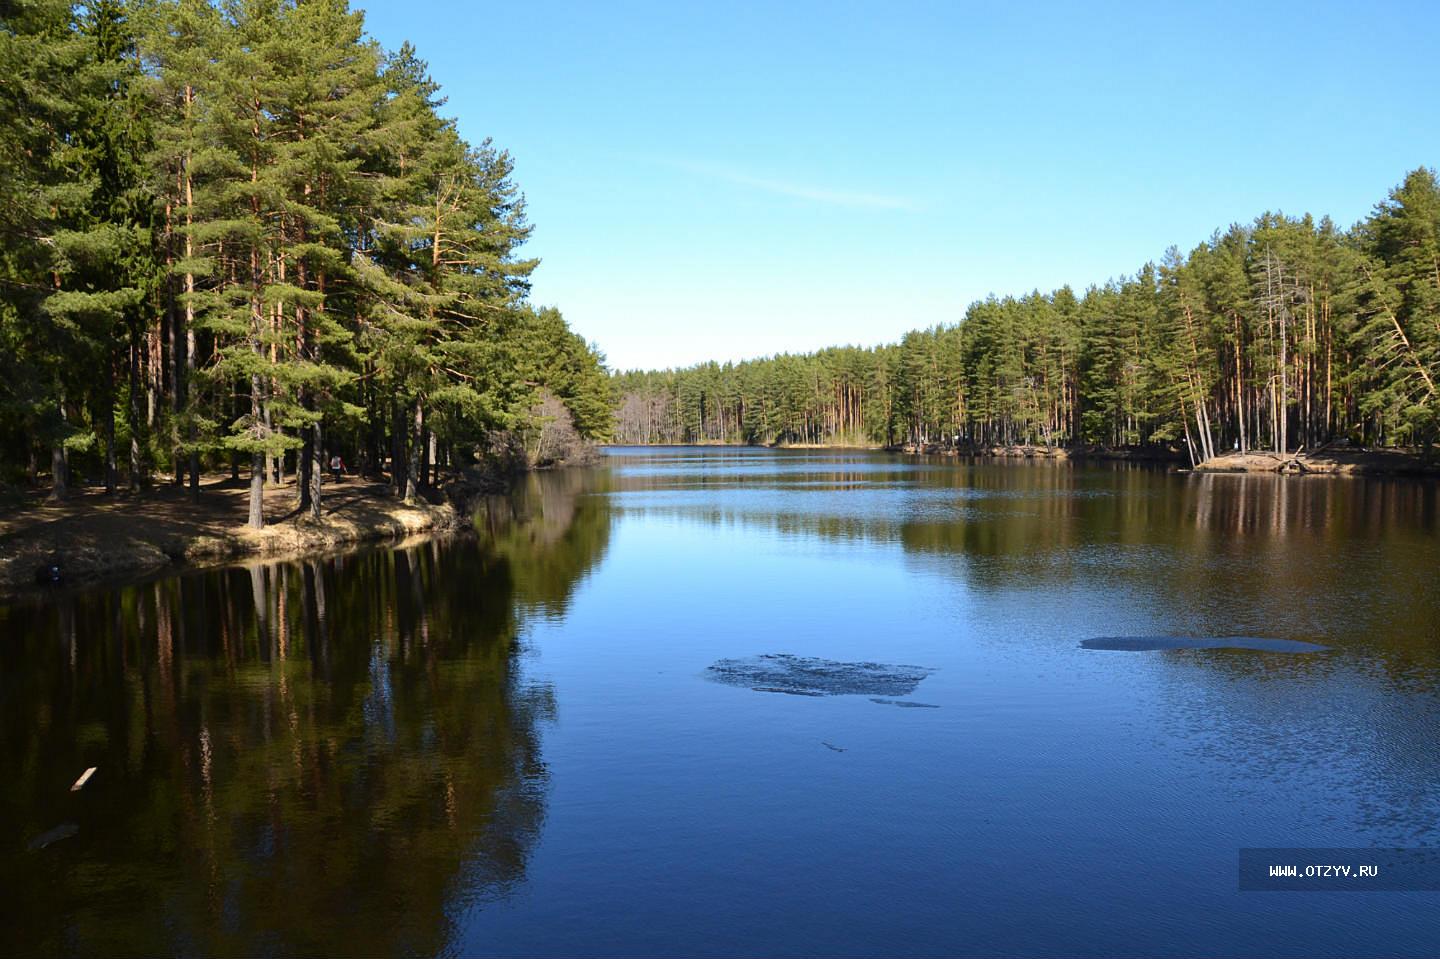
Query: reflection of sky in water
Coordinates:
[379,706]
[1062,800]
[509,745]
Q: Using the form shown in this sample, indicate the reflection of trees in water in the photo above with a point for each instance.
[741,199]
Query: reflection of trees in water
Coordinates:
[332,756]
[1346,737]
[1288,556]
[549,532]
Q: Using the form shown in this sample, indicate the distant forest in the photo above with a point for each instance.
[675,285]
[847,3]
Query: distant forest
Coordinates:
[1284,333]
[240,234]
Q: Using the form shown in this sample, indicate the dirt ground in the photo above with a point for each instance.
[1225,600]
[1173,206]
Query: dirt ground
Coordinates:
[91,536]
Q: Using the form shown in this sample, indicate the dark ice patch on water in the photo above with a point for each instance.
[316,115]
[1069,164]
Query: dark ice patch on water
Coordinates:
[808,676]
[782,689]
[1140,644]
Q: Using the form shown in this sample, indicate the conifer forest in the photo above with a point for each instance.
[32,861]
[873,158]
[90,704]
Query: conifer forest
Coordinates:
[241,236]
[1283,333]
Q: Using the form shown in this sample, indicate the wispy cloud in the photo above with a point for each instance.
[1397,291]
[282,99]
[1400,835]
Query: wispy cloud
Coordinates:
[803,191]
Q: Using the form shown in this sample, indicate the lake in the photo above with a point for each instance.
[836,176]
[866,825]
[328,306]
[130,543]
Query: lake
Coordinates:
[733,701]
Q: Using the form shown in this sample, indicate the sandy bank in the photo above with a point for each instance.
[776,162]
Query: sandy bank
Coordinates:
[1331,460]
[92,537]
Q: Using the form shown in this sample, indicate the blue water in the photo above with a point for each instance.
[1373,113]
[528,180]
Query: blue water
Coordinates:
[1060,801]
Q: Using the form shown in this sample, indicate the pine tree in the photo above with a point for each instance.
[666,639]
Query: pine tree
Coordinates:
[1402,298]
[189,174]
[74,261]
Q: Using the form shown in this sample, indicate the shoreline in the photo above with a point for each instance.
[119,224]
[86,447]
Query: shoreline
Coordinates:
[1056,453]
[935,449]
[93,538]
[1324,461]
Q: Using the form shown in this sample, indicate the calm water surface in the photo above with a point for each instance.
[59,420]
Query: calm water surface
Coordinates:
[512,743]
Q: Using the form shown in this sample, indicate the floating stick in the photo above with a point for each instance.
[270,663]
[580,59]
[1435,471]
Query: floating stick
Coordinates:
[84,778]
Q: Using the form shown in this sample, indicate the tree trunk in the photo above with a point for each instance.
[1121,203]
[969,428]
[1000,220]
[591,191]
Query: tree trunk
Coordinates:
[271,469]
[107,418]
[193,457]
[316,469]
[304,466]
[1283,428]
[417,454]
[133,410]
[397,449]
[179,383]
[257,491]
[259,408]
[59,472]
[375,434]
[1185,422]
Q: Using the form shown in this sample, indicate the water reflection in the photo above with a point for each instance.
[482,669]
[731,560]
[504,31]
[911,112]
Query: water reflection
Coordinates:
[349,756]
[334,756]
[1283,556]
[551,531]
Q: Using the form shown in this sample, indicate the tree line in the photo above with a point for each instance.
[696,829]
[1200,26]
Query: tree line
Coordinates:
[1284,333]
[240,233]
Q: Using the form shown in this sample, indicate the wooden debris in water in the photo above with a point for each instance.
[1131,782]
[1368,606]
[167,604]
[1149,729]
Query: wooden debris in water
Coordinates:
[84,778]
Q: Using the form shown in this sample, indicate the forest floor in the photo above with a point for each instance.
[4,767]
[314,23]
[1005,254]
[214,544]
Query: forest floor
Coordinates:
[1329,460]
[91,536]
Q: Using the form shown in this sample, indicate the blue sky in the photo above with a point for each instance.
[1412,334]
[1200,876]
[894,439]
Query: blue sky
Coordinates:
[727,180]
